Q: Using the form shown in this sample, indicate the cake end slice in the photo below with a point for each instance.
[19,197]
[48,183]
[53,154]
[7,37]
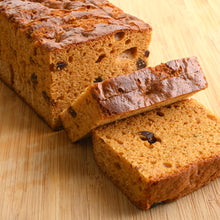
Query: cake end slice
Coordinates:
[162,155]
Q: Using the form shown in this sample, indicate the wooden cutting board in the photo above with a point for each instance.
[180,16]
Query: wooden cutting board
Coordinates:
[44,176]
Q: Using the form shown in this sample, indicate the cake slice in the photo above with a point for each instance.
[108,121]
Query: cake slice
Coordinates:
[131,94]
[51,50]
[162,155]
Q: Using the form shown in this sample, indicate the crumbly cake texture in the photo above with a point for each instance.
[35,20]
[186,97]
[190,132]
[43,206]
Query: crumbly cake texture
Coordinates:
[50,51]
[131,94]
[161,155]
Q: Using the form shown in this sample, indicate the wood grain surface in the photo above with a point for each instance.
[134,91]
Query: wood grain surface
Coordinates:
[44,176]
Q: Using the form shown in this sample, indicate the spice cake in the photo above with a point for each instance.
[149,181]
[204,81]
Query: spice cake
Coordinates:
[50,51]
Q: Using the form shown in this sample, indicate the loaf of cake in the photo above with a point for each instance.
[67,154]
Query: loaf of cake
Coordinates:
[131,94]
[162,155]
[51,50]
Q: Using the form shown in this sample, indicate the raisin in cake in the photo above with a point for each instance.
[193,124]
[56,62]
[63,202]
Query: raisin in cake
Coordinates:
[161,155]
[131,94]
[50,51]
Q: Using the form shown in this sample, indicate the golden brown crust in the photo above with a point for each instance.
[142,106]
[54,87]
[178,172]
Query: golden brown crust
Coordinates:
[149,86]
[59,24]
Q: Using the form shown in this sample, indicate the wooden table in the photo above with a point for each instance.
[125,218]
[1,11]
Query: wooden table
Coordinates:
[44,176]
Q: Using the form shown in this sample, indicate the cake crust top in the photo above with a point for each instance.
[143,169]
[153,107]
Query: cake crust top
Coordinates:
[56,24]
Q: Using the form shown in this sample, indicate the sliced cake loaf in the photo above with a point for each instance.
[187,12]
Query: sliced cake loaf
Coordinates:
[51,50]
[131,94]
[161,155]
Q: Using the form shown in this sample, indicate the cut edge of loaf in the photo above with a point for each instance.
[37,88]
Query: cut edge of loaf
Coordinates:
[185,180]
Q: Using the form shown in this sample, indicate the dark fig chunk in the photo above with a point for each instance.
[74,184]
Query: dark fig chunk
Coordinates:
[72,112]
[148,136]
[28,35]
[98,79]
[120,90]
[141,64]
[147,53]
[32,60]
[61,65]
[34,79]
[161,114]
